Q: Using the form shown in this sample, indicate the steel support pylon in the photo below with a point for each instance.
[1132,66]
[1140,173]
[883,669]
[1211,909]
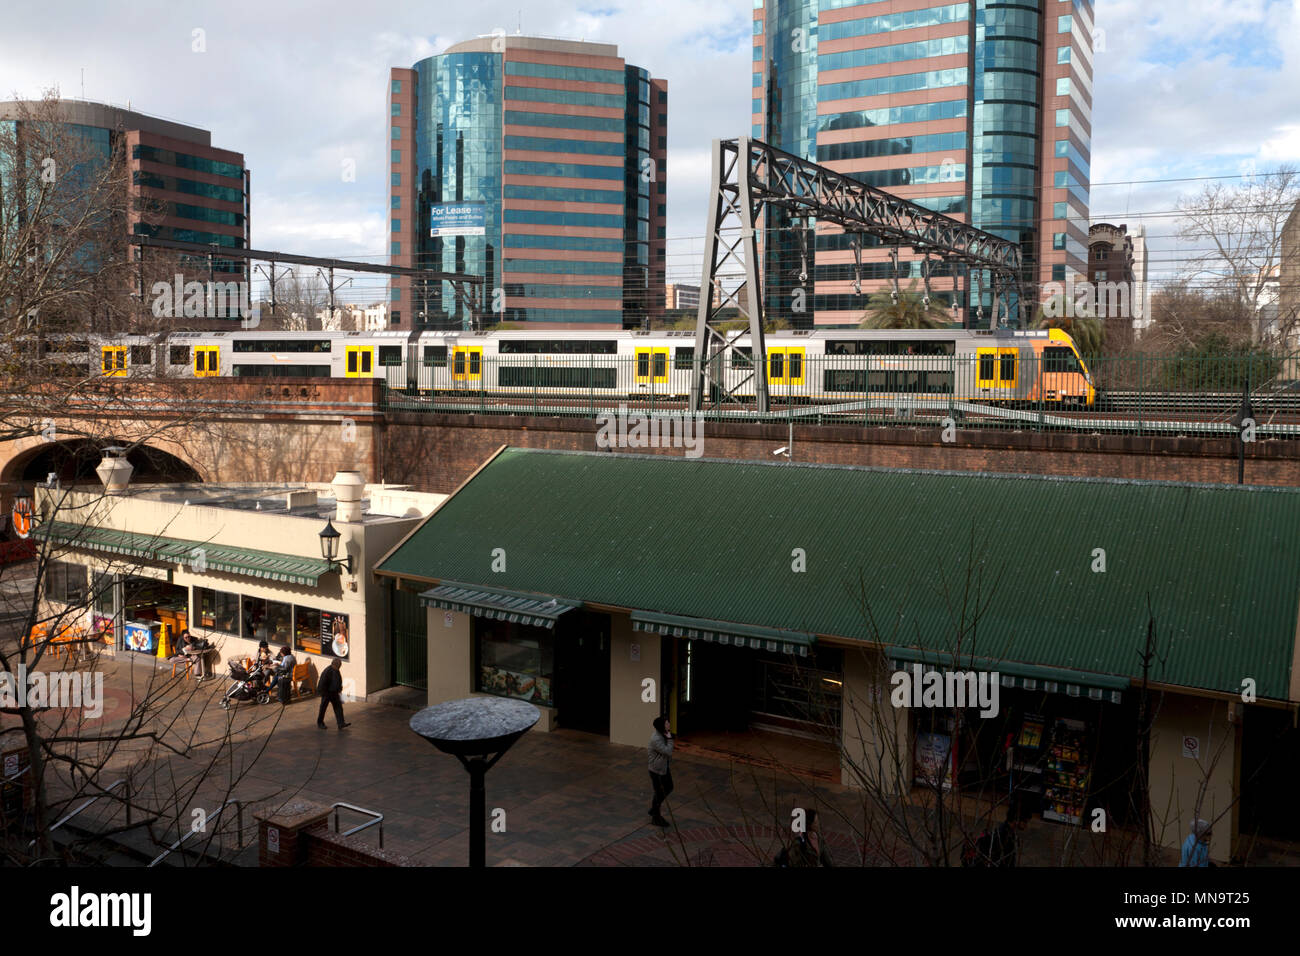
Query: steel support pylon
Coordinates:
[730,251]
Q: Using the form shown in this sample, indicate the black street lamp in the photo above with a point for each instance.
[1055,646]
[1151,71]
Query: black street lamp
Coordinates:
[477,731]
[329,548]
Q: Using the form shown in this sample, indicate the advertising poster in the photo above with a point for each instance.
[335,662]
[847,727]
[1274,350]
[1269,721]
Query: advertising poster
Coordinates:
[334,634]
[139,637]
[932,756]
[457,219]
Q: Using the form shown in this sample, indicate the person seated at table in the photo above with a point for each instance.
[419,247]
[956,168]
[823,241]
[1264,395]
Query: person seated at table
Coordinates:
[178,648]
[266,660]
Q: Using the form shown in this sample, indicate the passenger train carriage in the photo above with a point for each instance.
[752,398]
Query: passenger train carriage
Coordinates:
[820,365]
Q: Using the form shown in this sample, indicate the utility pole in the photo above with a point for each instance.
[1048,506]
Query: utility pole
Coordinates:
[1144,742]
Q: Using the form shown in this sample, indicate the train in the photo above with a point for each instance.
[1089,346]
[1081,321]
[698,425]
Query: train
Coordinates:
[991,366]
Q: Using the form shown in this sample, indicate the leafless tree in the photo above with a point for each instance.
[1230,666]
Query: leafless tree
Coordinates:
[1235,234]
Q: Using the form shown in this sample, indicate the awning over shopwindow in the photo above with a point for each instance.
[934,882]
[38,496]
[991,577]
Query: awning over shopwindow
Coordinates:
[515,606]
[1012,674]
[198,555]
[724,632]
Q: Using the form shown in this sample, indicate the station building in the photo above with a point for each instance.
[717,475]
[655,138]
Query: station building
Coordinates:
[234,563]
[770,609]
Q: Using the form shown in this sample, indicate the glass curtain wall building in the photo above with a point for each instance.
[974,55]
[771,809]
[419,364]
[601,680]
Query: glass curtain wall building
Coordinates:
[552,155]
[179,186]
[979,110]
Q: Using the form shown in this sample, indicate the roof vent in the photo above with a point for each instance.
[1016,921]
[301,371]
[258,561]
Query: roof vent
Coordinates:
[115,471]
[348,486]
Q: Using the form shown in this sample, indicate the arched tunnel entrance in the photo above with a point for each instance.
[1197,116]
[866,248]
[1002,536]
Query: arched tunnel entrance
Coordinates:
[75,463]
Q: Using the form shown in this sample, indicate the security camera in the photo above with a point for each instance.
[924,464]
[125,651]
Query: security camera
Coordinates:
[781,451]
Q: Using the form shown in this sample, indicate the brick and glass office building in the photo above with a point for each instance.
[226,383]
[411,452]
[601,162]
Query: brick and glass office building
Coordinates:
[556,149]
[179,186]
[978,110]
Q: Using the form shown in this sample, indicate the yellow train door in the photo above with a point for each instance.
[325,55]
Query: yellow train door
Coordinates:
[652,366]
[360,361]
[207,361]
[467,364]
[113,358]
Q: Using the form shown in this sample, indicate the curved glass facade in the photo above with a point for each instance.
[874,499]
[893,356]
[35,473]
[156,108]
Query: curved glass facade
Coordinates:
[458,159]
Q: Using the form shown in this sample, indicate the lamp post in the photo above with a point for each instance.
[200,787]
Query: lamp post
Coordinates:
[477,731]
[329,547]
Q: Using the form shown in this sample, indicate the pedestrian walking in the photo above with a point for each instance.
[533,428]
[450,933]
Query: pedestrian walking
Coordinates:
[1196,848]
[661,777]
[331,693]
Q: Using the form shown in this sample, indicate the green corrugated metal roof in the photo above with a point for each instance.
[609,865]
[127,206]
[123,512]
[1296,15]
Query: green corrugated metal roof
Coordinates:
[246,561]
[714,540]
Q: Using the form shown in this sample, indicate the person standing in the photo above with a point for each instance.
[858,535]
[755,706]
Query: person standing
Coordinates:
[1196,848]
[661,777]
[807,848]
[285,674]
[331,693]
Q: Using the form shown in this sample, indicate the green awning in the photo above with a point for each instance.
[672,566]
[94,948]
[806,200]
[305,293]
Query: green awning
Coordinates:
[197,555]
[724,632]
[537,610]
[1012,674]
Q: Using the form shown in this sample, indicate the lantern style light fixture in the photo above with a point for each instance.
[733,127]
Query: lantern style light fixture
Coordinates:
[329,548]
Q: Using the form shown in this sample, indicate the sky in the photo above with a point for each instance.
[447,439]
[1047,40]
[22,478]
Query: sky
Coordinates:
[1182,89]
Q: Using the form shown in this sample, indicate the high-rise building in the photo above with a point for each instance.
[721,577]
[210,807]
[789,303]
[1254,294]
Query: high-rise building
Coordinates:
[538,164]
[680,296]
[978,110]
[179,186]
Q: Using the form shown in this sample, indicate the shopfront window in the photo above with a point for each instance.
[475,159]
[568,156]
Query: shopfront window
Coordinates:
[102,594]
[514,660]
[65,582]
[217,610]
[321,632]
[268,621]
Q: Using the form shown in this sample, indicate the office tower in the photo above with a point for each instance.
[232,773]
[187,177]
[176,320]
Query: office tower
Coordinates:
[538,164]
[979,110]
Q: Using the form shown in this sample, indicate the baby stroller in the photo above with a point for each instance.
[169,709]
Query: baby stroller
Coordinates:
[246,685]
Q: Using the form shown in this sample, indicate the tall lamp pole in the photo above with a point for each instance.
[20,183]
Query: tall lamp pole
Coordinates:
[477,731]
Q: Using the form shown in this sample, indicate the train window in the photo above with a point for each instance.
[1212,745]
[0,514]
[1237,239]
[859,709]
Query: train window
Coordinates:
[987,367]
[1060,359]
[178,355]
[684,358]
[1007,367]
[459,367]
[777,362]
[390,355]
[280,371]
[661,364]
[742,356]
[556,346]
[141,355]
[282,345]
[435,356]
[526,376]
[844,380]
[642,364]
[796,366]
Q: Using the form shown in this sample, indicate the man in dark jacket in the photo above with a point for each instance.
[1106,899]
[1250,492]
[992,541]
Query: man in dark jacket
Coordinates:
[331,692]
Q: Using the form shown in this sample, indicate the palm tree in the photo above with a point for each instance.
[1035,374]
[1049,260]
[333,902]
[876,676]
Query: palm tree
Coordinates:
[1088,332]
[908,310]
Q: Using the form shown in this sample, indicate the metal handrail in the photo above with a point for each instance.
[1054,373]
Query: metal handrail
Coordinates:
[107,790]
[378,818]
[239,810]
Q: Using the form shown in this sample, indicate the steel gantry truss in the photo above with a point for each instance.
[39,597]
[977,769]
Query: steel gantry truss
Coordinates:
[468,289]
[809,191]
